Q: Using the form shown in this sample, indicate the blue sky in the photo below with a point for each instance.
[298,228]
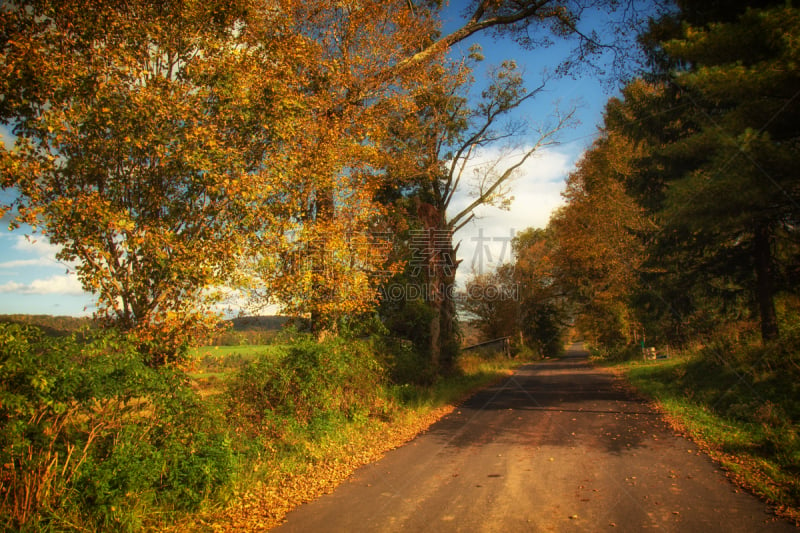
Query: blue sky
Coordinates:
[539,183]
[33,282]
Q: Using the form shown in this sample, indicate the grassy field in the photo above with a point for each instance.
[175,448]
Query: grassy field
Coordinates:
[743,411]
[223,358]
[210,364]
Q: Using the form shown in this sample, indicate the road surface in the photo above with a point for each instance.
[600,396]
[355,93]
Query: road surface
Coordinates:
[559,446]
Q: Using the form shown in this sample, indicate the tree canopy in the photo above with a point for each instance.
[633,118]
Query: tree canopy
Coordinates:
[175,148]
[701,206]
[140,136]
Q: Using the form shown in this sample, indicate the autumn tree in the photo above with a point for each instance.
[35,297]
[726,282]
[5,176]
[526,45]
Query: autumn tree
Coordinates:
[141,131]
[446,137]
[370,62]
[598,248]
[492,301]
[545,308]
[446,132]
[332,255]
[523,299]
[709,137]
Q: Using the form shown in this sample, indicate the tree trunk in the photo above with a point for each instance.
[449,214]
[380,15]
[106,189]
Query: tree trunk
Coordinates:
[441,273]
[321,289]
[765,292]
[445,343]
[448,325]
[435,332]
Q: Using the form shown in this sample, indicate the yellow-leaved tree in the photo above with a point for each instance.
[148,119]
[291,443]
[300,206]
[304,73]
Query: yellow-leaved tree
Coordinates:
[141,134]
[165,145]
[598,236]
[331,254]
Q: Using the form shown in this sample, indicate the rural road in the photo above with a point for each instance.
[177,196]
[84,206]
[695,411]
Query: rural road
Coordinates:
[558,446]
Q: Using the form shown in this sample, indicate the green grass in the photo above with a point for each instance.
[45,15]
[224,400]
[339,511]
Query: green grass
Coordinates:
[476,371]
[211,365]
[222,360]
[244,351]
[308,460]
[743,411]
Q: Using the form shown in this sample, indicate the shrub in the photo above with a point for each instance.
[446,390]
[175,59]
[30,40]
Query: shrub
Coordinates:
[89,434]
[312,382]
[405,364]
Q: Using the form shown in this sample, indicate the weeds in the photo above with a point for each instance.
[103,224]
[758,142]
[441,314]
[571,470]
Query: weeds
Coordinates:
[92,438]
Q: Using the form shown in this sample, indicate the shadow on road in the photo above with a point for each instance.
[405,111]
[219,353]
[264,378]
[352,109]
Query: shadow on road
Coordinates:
[558,446]
[553,403]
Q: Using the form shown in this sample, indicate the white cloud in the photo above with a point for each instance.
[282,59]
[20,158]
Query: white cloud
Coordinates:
[34,251]
[537,193]
[17,263]
[35,246]
[61,285]
[540,177]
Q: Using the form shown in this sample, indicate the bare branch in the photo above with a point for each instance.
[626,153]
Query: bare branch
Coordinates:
[480,138]
[546,138]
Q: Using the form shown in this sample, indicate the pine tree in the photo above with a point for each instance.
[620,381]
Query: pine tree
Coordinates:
[735,198]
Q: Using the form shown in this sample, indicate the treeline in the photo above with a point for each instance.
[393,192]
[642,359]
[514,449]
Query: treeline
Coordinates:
[58,326]
[248,330]
[682,221]
[522,300]
[241,330]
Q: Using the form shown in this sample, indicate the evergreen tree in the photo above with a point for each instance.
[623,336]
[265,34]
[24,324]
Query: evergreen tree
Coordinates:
[729,199]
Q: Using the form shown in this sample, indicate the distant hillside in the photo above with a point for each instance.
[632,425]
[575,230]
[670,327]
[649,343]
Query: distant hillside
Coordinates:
[250,330]
[58,326]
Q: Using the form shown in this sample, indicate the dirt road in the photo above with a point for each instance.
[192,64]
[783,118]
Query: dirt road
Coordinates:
[559,446]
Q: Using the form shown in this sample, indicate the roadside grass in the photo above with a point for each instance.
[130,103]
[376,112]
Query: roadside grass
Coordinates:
[741,407]
[300,462]
[476,372]
[93,439]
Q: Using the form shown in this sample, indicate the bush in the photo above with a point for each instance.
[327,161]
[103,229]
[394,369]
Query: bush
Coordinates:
[313,382]
[772,371]
[410,320]
[405,364]
[89,434]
